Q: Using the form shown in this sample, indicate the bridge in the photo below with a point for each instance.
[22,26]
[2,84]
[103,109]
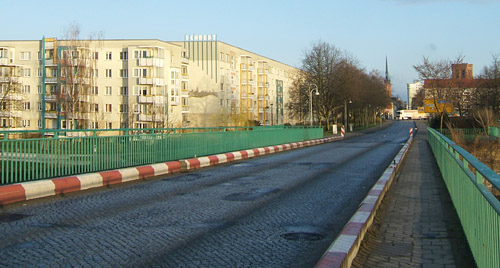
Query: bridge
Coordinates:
[306,201]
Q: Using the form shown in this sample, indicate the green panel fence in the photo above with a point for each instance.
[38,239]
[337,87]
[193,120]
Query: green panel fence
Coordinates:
[472,187]
[33,155]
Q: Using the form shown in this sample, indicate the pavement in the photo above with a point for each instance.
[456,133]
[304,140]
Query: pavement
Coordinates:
[416,224]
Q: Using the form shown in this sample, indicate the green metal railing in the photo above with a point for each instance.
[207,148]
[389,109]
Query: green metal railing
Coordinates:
[493,131]
[33,155]
[472,187]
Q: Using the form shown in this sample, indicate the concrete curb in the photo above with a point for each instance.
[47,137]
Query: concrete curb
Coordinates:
[343,250]
[44,188]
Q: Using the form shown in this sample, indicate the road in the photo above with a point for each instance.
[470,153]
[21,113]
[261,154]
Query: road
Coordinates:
[279,210]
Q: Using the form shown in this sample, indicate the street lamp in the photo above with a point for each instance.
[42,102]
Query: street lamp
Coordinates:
[271,114]
[345,112]
[310,101]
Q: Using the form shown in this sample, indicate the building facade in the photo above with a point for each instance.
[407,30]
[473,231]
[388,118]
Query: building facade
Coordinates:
[412,89]
[110,84]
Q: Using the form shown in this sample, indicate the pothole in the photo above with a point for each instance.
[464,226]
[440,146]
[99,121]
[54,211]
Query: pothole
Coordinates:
[302,236]
[302,233]
[251,195]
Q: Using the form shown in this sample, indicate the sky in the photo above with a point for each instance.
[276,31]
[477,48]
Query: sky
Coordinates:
[404,31]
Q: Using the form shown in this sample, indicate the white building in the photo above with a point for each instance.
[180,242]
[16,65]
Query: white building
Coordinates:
[412,89]
[109,84]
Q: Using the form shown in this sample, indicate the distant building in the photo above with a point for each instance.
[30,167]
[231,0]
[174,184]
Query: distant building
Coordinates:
[412,89]
[461,92]
[145,83]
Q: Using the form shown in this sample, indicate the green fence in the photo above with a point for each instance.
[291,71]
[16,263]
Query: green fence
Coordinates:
[493,131]
[472,187]
[33,155]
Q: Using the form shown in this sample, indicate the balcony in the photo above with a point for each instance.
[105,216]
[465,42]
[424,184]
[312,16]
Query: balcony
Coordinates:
[15,114]
[51,80]
[145,62]
[184,60]
[144,99]
[49,97]
[145,117]
[50,62]
[50,115]
[150,81]
[185,108]
[6,61]
[49,45]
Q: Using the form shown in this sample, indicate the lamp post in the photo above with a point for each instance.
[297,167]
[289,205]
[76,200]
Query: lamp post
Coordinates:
[345,112]
[310,101]
[271,114]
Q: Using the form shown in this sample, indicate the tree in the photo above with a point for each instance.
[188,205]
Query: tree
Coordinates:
[10,94]
[437,92]
[76,88]
[339,80]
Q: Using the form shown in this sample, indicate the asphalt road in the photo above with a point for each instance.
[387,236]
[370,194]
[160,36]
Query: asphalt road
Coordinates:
[280,210]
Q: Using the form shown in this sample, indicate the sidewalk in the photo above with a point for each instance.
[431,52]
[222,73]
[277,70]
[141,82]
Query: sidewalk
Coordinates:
[416,225]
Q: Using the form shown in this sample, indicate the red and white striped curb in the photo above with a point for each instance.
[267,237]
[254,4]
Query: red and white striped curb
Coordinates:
[43,188]
[343,250]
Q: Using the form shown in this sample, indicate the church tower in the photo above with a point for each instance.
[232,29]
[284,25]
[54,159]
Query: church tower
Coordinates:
[389,110]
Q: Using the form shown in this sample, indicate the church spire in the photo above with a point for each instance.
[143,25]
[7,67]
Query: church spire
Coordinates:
[387,80]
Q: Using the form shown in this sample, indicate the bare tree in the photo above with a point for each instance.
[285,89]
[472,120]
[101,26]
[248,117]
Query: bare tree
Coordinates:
[77,89]
[438,75]
[10,91]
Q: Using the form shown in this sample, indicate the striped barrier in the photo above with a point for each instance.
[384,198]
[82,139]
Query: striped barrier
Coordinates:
[343,250]
[44,188]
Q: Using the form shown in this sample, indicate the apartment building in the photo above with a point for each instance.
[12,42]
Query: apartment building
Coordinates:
[110,84]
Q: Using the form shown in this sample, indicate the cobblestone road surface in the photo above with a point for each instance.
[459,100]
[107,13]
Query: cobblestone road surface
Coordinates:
[281,210]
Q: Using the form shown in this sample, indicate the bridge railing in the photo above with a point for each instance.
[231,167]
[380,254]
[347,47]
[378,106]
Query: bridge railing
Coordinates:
[473,188]
[34,155]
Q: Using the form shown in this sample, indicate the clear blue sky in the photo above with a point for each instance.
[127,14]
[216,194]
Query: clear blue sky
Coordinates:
[402,30]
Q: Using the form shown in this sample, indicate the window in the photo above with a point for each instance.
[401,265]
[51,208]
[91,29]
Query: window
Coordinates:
[108,55]
[184,101]
[27,72]
[124,73]
[94,91]
[39,106]
[39,72]
[109,91]
[184,70]
[123,55]
[26,123]
[95,56]
[140,72]
[94,107]
[139,54]
[108,73]
[39,123]
[95,125]
[95,73]
[25,55]
[124,125]
[26,89]
[27,106]
[124,91]
[3,105]
[39,89]
[140,91]
[108,108]
[123,108]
